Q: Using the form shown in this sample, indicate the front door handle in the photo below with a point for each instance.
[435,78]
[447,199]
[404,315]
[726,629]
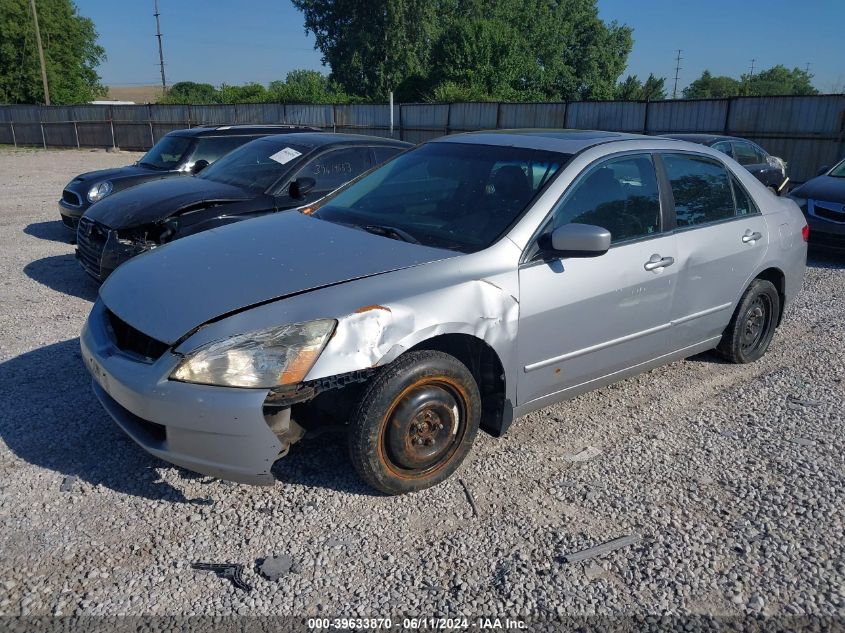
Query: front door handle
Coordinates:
[657,262]
[751,238]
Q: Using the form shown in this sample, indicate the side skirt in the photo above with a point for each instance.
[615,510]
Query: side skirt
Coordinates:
[595,383]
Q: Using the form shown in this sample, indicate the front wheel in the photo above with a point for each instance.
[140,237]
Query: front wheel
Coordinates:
[415,423]
[752,326]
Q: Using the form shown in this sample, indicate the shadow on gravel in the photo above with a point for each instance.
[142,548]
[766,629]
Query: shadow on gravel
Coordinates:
[52,419]
[322,462]
[53,231]
[708,357]
[63,274]
[818,258]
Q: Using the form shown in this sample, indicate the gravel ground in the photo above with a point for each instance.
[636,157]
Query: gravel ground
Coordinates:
[732,478]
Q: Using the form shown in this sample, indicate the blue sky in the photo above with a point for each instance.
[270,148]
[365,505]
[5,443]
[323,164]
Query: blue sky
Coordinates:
[233,41]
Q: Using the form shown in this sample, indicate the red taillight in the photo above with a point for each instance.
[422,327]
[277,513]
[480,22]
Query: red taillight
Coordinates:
[805,232]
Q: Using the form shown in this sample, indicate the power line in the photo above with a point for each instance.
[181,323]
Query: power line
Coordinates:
[160,51]
[40,54]
[677,71]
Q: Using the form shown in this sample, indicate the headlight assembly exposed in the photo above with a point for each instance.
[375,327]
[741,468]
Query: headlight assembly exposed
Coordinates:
[99,191]
[264,359]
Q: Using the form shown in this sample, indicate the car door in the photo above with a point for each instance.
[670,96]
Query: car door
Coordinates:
[330,170]
[585,318]
[721,239]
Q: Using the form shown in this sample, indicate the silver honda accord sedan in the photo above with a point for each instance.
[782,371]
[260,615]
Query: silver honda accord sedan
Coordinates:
[467,282]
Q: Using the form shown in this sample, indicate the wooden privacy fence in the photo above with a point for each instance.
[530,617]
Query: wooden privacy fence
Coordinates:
[807,132]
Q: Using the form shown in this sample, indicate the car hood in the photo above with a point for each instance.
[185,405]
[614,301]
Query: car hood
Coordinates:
[170,291]
[157,200]
[828,188]
[116,173]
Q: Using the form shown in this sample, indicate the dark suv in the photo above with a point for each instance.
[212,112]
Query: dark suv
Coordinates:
[179,153]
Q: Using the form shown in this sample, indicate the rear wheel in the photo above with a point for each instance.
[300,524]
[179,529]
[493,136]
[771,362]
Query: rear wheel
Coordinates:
[415,423]
[750,331]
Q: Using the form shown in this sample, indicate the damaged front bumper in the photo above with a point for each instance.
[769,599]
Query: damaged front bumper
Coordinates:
[100,250]
[218,431]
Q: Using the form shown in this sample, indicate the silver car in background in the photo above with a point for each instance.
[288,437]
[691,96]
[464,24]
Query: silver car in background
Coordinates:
[467,282]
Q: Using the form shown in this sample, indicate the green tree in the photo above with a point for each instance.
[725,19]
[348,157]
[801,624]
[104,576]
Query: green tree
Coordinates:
[510,49]
[779,80]
[372,46]
[188,92]
[709,87]
[632,89]
[306,86]
[71,53]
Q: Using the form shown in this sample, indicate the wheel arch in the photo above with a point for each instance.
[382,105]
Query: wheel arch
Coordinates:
[485,365]
[778,279]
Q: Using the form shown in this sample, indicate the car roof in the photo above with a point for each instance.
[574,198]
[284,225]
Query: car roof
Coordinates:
[565,141]
[322,139]
[241,130]
[703,139]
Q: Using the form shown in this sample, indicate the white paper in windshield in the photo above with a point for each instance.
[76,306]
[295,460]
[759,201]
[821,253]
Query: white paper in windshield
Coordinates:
[285,155]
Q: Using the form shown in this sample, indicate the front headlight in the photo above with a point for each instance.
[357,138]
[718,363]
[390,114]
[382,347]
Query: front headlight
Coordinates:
[264,359]
[99,191]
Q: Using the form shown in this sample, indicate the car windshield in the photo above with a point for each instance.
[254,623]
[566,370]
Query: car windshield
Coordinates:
[447,195]
[838,171]
[256,165]
[167,153]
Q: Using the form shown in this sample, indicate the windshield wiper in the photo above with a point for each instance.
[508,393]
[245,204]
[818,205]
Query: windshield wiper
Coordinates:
[392,232]
[145,164]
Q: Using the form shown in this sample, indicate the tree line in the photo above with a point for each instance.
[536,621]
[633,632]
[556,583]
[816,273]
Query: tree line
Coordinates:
[420,50]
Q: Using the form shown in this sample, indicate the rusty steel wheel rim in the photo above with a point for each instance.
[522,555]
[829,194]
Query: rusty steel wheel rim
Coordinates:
[424,427]
[756,323]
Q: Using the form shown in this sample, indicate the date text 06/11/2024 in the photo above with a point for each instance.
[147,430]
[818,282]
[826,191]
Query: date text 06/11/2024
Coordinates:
[430,623]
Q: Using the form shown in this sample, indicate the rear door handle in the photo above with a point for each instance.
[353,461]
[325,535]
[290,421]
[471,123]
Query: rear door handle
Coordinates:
[751,238]
[656,262]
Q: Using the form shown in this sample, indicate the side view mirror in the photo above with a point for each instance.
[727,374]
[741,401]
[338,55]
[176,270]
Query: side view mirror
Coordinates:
[823,170]
[199,166]
[577,240]
[301,186]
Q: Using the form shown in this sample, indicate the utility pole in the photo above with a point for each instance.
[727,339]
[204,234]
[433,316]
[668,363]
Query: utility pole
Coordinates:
[40,54]
[807,67]
[160,51]
[677,71]
[751,74]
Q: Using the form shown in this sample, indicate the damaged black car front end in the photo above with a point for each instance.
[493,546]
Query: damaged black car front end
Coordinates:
[274,173]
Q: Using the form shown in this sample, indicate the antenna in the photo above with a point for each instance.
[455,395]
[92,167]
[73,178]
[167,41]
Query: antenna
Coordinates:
[677,70]
[160,52]
[41,55]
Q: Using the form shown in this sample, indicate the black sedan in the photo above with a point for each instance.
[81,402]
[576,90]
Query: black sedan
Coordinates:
[768,169]
[822,200]
[270,174]
[179,153]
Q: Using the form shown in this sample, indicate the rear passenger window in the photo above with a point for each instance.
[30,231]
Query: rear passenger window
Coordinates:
[701,188]
[747,154]
[744,204]
[384,154]
[620,195]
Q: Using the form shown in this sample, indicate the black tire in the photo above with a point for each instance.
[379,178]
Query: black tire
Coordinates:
[415,423]
[753,324]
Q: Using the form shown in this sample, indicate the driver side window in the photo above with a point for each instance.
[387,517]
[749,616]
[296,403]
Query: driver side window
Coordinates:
[620,195]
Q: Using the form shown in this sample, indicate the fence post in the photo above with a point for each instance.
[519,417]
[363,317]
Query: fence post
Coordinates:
[76,134]
[334,117]
[728,117]
[645,117]
[41,124]
[401,130]
[111,124]
[498,115]
[14,138]
[448,118]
